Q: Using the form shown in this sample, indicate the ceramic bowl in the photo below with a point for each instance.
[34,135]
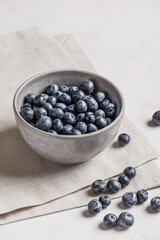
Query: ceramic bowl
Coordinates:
[63,148]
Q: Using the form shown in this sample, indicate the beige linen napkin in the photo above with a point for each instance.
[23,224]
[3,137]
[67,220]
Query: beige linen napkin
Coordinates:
[27,180]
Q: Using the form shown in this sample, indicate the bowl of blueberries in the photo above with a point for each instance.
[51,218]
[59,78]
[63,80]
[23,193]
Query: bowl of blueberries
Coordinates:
[68,116]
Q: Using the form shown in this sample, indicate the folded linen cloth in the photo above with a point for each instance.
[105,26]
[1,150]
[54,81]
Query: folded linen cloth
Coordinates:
[26,180]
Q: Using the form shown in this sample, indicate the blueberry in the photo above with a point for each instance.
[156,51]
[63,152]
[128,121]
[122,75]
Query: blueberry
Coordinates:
[94,206]
[87,87]
[47,106]
[110,110]
[65,98]
[108,120]
[29,98]
[104,103]
[52,131]
[110,220]
[89,117]
[78,95]
[155,203]
[72,89]
[129,199]
[125,220]
[91,128]
[51,89]
[39,100]
[113,185]
[80,117]
[32,124]
[71,108]
[75,131]
[100,113]
[81,106]
[156,118]
[40,112]
[57,94]
[130,172]
[26,105]
[100,122]
[92,104]
[45,95]
[67,129]
[44,123]
[123,139]
[52,100]
[64,89]
[124,180]
[81,126]
[142,196]
[56,113]
[99,186]
[99,96]
[69,118]
[57,125]
[60,105]
[105,200]
[27,113]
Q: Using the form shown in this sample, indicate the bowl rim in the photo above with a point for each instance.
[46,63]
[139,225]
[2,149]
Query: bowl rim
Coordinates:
[120,115]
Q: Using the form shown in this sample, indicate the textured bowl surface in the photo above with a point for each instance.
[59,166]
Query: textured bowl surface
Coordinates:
[63,148]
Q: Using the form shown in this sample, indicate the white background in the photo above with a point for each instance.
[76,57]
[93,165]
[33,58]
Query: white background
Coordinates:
[122,38]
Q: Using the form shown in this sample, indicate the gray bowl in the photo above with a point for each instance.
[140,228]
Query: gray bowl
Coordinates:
[63,148]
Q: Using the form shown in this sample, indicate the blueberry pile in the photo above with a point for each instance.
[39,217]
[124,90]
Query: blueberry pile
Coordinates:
[69,110]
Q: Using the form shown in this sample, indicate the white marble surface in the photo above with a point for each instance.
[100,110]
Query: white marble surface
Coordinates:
[122,37]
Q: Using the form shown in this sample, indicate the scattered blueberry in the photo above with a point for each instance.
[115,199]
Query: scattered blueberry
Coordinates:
[56,113]
[51,89]
[81,126]
[142,196]
[29,98]
[81,106]
[110,220]
[130,172]
[64,88]
[124,180]
[99,96]
[105,200]
[89,117]
[52,100]
[99,186]
[155,203]
[39,100]
[100,122]
[129,199]
[80,117]
[57,125]
[87,87]
[69,118]
[100,113]
[94,206]
[113,185]
[44,123]
[40,112]
[123,139]
[27,113]
[156,118]
[91,128]
[125,220]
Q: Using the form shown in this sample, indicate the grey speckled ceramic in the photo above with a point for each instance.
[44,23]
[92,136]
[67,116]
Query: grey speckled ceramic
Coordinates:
[67,149]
